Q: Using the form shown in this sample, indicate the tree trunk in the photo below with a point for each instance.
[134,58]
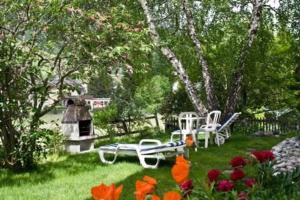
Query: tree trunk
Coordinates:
[177,65]
[233,95]
[9,140]
[212,101]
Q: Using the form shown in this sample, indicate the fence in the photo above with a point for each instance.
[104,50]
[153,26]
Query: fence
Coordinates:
[248,125]
[171,123]
[121,127]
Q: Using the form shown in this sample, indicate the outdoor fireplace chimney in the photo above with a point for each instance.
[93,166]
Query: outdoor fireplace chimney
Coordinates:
[77,127]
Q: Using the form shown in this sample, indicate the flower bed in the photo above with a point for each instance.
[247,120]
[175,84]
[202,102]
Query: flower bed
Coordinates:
[249,177]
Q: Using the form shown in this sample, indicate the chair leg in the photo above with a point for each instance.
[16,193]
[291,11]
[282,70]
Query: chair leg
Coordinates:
[102,157]
[195,140]
[186,153]
[227,134]
[144,163]
[206,139]
[218,141]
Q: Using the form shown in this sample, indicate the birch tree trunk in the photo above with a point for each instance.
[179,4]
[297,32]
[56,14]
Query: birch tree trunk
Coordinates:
[176,63]
[233,95]
[212,101]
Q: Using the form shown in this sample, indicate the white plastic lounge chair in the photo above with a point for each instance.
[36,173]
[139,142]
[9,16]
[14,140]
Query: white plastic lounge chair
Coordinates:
[188,123]
[146,149]
[211,126]
[223,131]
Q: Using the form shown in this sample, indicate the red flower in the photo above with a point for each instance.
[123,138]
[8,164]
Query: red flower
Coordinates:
[238,161]
[263,156]
[225,186]
[269,155]
[187,185]
[250,182]
[213,175]
[237,174]
[242,195]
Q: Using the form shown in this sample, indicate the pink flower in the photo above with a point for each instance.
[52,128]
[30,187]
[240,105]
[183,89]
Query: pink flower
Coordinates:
[187,185]
[225,186]
[250,182]
[238,161]
[242,195]
[237,174]
[263,156]
[213,175]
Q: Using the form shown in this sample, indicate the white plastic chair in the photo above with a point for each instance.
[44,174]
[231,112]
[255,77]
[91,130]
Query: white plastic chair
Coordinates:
[211,126]
[223,131]
[188,123]
[147,149]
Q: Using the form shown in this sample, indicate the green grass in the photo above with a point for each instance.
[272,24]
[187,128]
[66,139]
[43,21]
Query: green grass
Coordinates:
[72,176]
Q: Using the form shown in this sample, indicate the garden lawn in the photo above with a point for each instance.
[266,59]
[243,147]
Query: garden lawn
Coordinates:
[72,176]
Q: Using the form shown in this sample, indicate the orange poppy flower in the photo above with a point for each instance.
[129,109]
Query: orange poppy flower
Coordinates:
[154,197]
[104,192]
[150,180]
[139,195]
[181,160]
[189,141]
[180,172]
[144,187]
[117,192]
[172,195]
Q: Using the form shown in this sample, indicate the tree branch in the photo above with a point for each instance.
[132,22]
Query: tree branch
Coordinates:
[234,90]
[176,63]
[208,84]
[60,92]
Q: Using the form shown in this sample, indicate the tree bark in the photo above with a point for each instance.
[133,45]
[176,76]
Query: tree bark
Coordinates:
[176,63]
[212,101]
[233,95]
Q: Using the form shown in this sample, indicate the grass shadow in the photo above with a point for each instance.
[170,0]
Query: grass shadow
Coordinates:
[69,165]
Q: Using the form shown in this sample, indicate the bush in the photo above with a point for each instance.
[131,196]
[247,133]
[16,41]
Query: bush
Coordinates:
[103,118]
[36,145]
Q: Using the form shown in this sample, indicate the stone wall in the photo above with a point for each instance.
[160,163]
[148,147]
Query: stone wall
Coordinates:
[287,155]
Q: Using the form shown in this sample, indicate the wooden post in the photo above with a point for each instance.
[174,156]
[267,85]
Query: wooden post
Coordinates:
[125,126]
[156,121]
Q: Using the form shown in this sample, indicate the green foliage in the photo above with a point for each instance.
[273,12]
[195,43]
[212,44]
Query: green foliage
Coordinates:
[151,94]
[176,102]
[43,43]
[100,86]
[103,117]
[36,145]
[281,186]
[55,142]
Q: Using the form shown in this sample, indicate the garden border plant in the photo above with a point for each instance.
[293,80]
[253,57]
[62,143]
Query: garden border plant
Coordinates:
[259,182]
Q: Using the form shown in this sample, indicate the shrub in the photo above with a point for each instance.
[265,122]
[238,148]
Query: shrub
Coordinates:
[103,118]
[35,145]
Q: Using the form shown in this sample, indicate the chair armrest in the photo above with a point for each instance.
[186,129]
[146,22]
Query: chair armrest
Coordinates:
[203,126]
[176,133]
[143,141]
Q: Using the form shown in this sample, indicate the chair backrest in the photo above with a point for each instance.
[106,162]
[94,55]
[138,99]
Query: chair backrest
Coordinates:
[231,120]
[213,117]
[188,121]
